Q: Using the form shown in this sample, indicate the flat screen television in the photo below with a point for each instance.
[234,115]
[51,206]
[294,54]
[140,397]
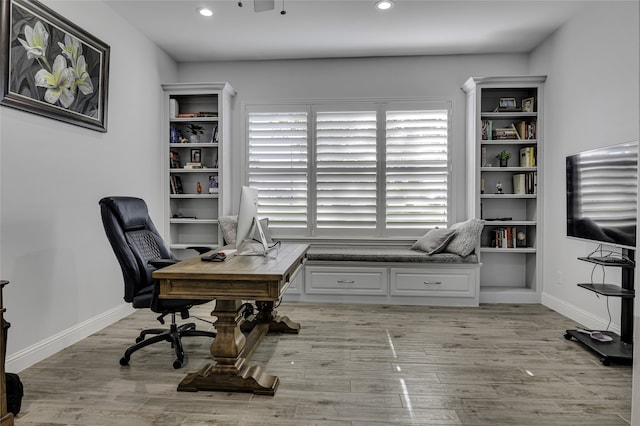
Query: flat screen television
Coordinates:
[602,193]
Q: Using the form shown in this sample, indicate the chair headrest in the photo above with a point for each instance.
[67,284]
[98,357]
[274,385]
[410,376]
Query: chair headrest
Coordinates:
[131,212]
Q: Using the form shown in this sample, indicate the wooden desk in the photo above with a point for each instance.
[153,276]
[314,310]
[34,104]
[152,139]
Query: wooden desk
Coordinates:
[6,418]
[263,279]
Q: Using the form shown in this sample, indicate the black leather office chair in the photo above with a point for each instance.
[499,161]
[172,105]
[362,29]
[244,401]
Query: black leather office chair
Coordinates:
[138,247]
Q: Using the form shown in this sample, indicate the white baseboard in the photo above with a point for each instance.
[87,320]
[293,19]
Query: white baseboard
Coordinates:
[35,353]
[579,316]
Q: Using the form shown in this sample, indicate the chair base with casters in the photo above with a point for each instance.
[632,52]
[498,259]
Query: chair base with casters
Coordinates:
[172,335]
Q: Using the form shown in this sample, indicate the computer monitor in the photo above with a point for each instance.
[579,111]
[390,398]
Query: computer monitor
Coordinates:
[247,219]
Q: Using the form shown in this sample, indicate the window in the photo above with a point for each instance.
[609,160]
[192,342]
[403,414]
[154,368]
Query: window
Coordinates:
[278,157]
[347,170]
[416,169]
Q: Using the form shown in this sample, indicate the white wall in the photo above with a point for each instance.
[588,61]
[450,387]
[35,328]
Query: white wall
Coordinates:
[65,280]
[400,77]
[592,100]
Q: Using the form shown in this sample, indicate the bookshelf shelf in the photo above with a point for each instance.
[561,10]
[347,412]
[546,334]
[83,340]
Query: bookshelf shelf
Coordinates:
[508,250]
[509,196]
[202,170]
[192,221]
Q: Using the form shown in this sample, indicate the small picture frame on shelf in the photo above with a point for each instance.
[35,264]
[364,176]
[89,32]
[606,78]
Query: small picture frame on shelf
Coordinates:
[196,155]
[527,104]
[507,103]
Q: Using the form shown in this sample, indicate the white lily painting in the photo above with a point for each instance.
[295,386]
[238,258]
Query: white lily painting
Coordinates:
[52,66]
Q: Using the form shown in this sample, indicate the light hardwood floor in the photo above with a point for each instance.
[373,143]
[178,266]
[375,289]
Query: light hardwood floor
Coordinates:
[350,365]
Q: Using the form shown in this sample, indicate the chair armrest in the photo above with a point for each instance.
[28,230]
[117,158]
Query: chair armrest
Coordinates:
[161,263]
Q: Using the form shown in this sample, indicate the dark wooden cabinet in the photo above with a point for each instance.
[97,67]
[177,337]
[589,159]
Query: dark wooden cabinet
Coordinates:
[6,418]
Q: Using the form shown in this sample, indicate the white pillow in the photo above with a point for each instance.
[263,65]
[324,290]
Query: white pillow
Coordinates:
[229,226]
[434,240]
[466,237]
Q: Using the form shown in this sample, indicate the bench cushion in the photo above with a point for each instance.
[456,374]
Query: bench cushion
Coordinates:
[397,254]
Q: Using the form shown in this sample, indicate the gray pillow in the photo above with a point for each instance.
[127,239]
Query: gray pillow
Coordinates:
[229,226]
[466,237]
[434,240]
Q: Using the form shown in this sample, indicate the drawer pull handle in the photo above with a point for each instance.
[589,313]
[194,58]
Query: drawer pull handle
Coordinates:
[433,282]
[346,281]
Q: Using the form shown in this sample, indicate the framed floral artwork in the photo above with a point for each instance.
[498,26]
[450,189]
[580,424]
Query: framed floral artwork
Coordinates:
[51,67]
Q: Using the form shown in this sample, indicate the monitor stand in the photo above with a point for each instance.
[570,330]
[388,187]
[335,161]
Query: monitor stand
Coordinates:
[263,249]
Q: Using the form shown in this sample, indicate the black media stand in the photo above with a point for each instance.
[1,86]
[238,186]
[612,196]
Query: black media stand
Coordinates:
[620,349]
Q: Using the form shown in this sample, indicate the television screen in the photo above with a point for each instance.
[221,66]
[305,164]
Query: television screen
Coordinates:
[602,192]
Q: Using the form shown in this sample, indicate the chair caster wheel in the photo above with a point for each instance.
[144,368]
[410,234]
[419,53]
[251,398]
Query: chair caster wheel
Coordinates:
[567,336]
[178,364]
[605,362]
[124,361]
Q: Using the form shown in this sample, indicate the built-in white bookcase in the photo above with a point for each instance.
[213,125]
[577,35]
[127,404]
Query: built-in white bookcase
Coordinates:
[193,204]
[505,114]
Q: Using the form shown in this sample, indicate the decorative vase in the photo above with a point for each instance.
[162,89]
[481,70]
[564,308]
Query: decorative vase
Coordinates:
[194,138]
[504,162]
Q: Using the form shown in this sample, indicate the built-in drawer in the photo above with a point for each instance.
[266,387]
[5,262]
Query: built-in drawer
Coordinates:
[346,281]
[437,282]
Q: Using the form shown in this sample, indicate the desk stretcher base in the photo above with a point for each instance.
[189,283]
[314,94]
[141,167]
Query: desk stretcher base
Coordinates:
[249,379]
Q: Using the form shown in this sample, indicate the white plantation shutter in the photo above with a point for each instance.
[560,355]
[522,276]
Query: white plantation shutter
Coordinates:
[278,156]
[346,169]
[358,169]
[416,169]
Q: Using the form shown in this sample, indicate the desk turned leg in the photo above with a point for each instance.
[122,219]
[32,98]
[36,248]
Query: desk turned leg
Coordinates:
[266,315]
[232,350]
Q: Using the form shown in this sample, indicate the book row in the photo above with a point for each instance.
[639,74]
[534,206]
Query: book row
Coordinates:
[521,130]
[525,183]
[509,237]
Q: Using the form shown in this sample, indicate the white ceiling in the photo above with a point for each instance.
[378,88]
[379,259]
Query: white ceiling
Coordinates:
[344,28]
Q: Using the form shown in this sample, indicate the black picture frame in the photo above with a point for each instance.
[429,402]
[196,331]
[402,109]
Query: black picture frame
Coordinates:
[65,79]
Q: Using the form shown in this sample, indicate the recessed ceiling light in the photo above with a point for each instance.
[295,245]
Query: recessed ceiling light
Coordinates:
[384,5]
[204,11]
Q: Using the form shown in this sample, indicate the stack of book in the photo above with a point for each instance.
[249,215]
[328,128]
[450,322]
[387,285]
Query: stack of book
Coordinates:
[527,157]
[525,183]
[526,130]
[176,185]
[508,237]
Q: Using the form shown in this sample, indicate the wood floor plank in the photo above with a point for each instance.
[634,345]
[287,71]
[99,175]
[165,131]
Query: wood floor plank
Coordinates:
[349,365]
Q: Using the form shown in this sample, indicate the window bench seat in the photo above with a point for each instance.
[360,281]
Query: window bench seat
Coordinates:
[391,254]
[391,275]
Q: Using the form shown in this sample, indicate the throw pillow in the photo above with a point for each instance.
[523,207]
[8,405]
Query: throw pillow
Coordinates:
[229,226]
[434,240]
[466,237]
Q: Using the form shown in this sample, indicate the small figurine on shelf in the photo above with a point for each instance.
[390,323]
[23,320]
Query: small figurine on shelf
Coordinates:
[499,188]
[213,184]
[198,188]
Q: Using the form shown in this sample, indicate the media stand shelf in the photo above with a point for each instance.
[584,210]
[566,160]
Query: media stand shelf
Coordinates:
[615,351]
[620,349]
[608,290]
